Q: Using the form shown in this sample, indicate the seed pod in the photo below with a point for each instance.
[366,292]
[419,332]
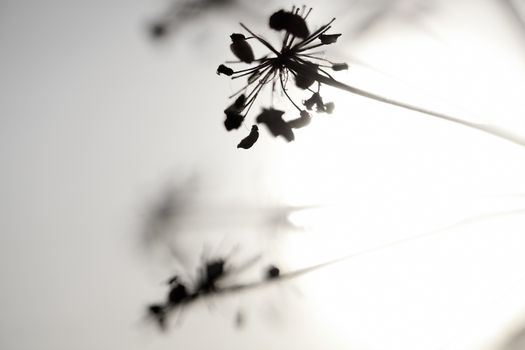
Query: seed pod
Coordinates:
[316,100]
[254,76]
[233,120]
[237,37]
[239,102]
[222,69]
[339,66]
[273,119]
[304,78]
[290,22]
[249,140]
[237,106]
[300,122]
[278,20]
[328,39]
[241,49]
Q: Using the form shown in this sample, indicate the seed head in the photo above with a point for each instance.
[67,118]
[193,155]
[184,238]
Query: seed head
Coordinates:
[295,58]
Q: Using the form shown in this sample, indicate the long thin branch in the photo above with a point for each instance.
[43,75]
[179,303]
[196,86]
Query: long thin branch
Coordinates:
[490,129]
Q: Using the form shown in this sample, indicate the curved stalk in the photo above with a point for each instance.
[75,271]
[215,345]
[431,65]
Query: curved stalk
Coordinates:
[490,129]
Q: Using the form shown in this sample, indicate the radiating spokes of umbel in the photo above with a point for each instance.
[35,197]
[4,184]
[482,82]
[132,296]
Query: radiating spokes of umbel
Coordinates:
[298,57]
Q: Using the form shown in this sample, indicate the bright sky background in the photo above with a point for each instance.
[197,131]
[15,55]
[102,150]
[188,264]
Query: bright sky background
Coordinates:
[96,121]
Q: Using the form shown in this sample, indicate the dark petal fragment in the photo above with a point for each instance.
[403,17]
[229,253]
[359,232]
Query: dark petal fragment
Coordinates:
[328,39]
[222,69]
[273,119]
[243,51]
[237,37]
[300,122]
[339,66]
[233,120]
[249,140]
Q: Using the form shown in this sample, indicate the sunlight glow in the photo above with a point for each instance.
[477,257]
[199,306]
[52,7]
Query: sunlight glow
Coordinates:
[380,174]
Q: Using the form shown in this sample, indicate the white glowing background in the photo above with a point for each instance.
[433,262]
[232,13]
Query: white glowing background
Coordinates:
[94,117]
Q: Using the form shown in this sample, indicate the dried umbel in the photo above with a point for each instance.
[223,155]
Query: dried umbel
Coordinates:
[295,59]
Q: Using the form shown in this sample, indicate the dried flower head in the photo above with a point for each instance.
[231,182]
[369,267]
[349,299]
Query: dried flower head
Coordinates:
[296,59]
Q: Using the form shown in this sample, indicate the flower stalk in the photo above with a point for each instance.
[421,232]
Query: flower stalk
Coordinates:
[487,128]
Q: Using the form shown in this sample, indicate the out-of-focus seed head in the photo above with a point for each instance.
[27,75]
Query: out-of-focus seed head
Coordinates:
[233,120]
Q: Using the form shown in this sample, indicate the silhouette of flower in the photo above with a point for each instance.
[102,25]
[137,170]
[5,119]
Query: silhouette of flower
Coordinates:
[294,58]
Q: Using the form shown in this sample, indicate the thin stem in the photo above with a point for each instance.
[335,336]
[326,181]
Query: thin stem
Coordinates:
[490,129]
[314,35]
[263,41]
[286,93]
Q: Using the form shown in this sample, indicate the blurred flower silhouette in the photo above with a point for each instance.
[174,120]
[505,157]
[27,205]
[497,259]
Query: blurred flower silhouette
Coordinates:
[294,58]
